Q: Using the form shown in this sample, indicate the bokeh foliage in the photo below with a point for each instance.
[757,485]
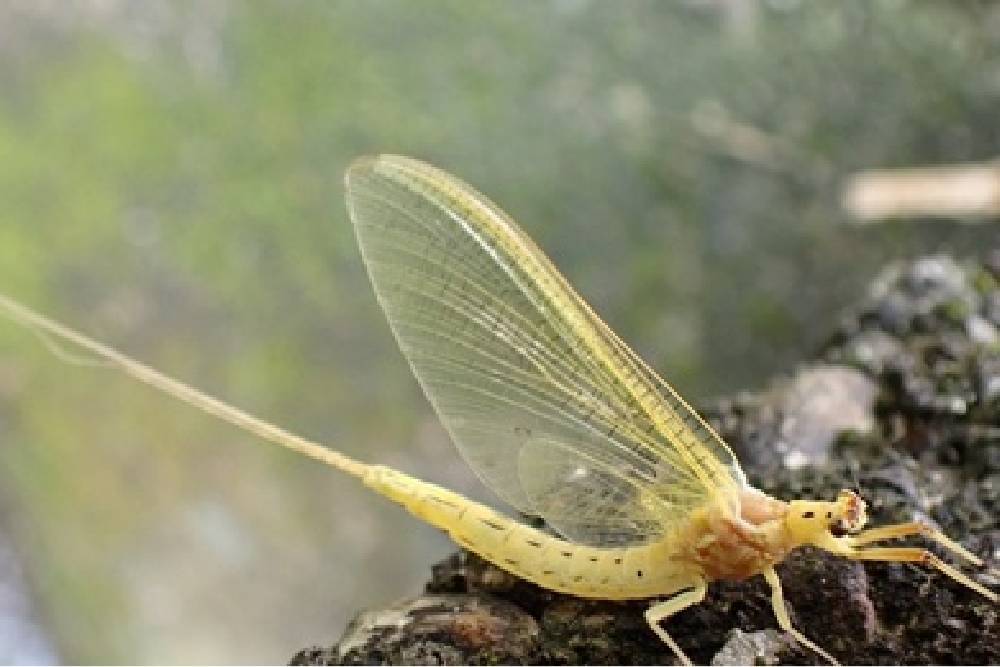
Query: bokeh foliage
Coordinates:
[171,182]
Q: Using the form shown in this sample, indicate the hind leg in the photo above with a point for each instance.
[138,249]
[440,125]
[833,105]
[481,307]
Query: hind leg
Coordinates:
[662,610]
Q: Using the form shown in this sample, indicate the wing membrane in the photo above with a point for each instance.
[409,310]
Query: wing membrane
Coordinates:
[550,408]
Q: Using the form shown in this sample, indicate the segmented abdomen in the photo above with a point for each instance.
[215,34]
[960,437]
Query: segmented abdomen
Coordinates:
[550,562]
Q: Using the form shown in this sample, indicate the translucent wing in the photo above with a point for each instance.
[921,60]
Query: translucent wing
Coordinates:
[547,405]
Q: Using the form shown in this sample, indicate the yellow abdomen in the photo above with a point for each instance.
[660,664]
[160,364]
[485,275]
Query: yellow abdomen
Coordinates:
[550,562]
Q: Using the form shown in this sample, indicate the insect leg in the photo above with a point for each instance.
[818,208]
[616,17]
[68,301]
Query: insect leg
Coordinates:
[917,555]
[781,613]
[662,610]
[898,530]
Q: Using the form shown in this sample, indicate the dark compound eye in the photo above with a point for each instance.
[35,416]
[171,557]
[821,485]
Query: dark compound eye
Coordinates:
[837,529]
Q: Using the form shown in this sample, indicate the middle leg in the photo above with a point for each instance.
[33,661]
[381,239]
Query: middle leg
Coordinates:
[781,613]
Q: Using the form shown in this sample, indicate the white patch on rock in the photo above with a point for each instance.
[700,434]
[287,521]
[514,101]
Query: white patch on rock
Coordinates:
[763,647]
[820,403]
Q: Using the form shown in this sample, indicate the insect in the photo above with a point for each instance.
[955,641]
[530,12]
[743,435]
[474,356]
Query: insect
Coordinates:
[557,415]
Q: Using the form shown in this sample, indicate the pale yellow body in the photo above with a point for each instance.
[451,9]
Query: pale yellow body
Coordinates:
[556,414]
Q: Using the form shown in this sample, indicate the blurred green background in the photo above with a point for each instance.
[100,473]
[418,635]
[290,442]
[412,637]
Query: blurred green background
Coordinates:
[170,182]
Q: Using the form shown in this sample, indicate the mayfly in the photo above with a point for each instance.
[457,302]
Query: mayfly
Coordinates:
[557,415]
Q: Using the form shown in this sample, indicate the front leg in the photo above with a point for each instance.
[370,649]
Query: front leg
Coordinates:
[898,530]
[662,610]
[917,555]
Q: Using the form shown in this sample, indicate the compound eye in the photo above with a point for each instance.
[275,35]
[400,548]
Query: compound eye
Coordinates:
[838,529]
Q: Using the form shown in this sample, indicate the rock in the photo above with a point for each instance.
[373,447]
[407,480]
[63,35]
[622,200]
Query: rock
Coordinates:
[752,648]
[903,403]
[820,404]
[434,630]
[981,331]
[873,351]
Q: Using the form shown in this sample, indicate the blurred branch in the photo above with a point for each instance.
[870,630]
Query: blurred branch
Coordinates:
[743,142]
[737,139]
[969,192]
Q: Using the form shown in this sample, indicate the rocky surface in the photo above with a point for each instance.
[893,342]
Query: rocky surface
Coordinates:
[903,403]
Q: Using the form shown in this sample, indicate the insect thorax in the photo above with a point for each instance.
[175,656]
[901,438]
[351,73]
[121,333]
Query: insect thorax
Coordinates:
[724,545]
